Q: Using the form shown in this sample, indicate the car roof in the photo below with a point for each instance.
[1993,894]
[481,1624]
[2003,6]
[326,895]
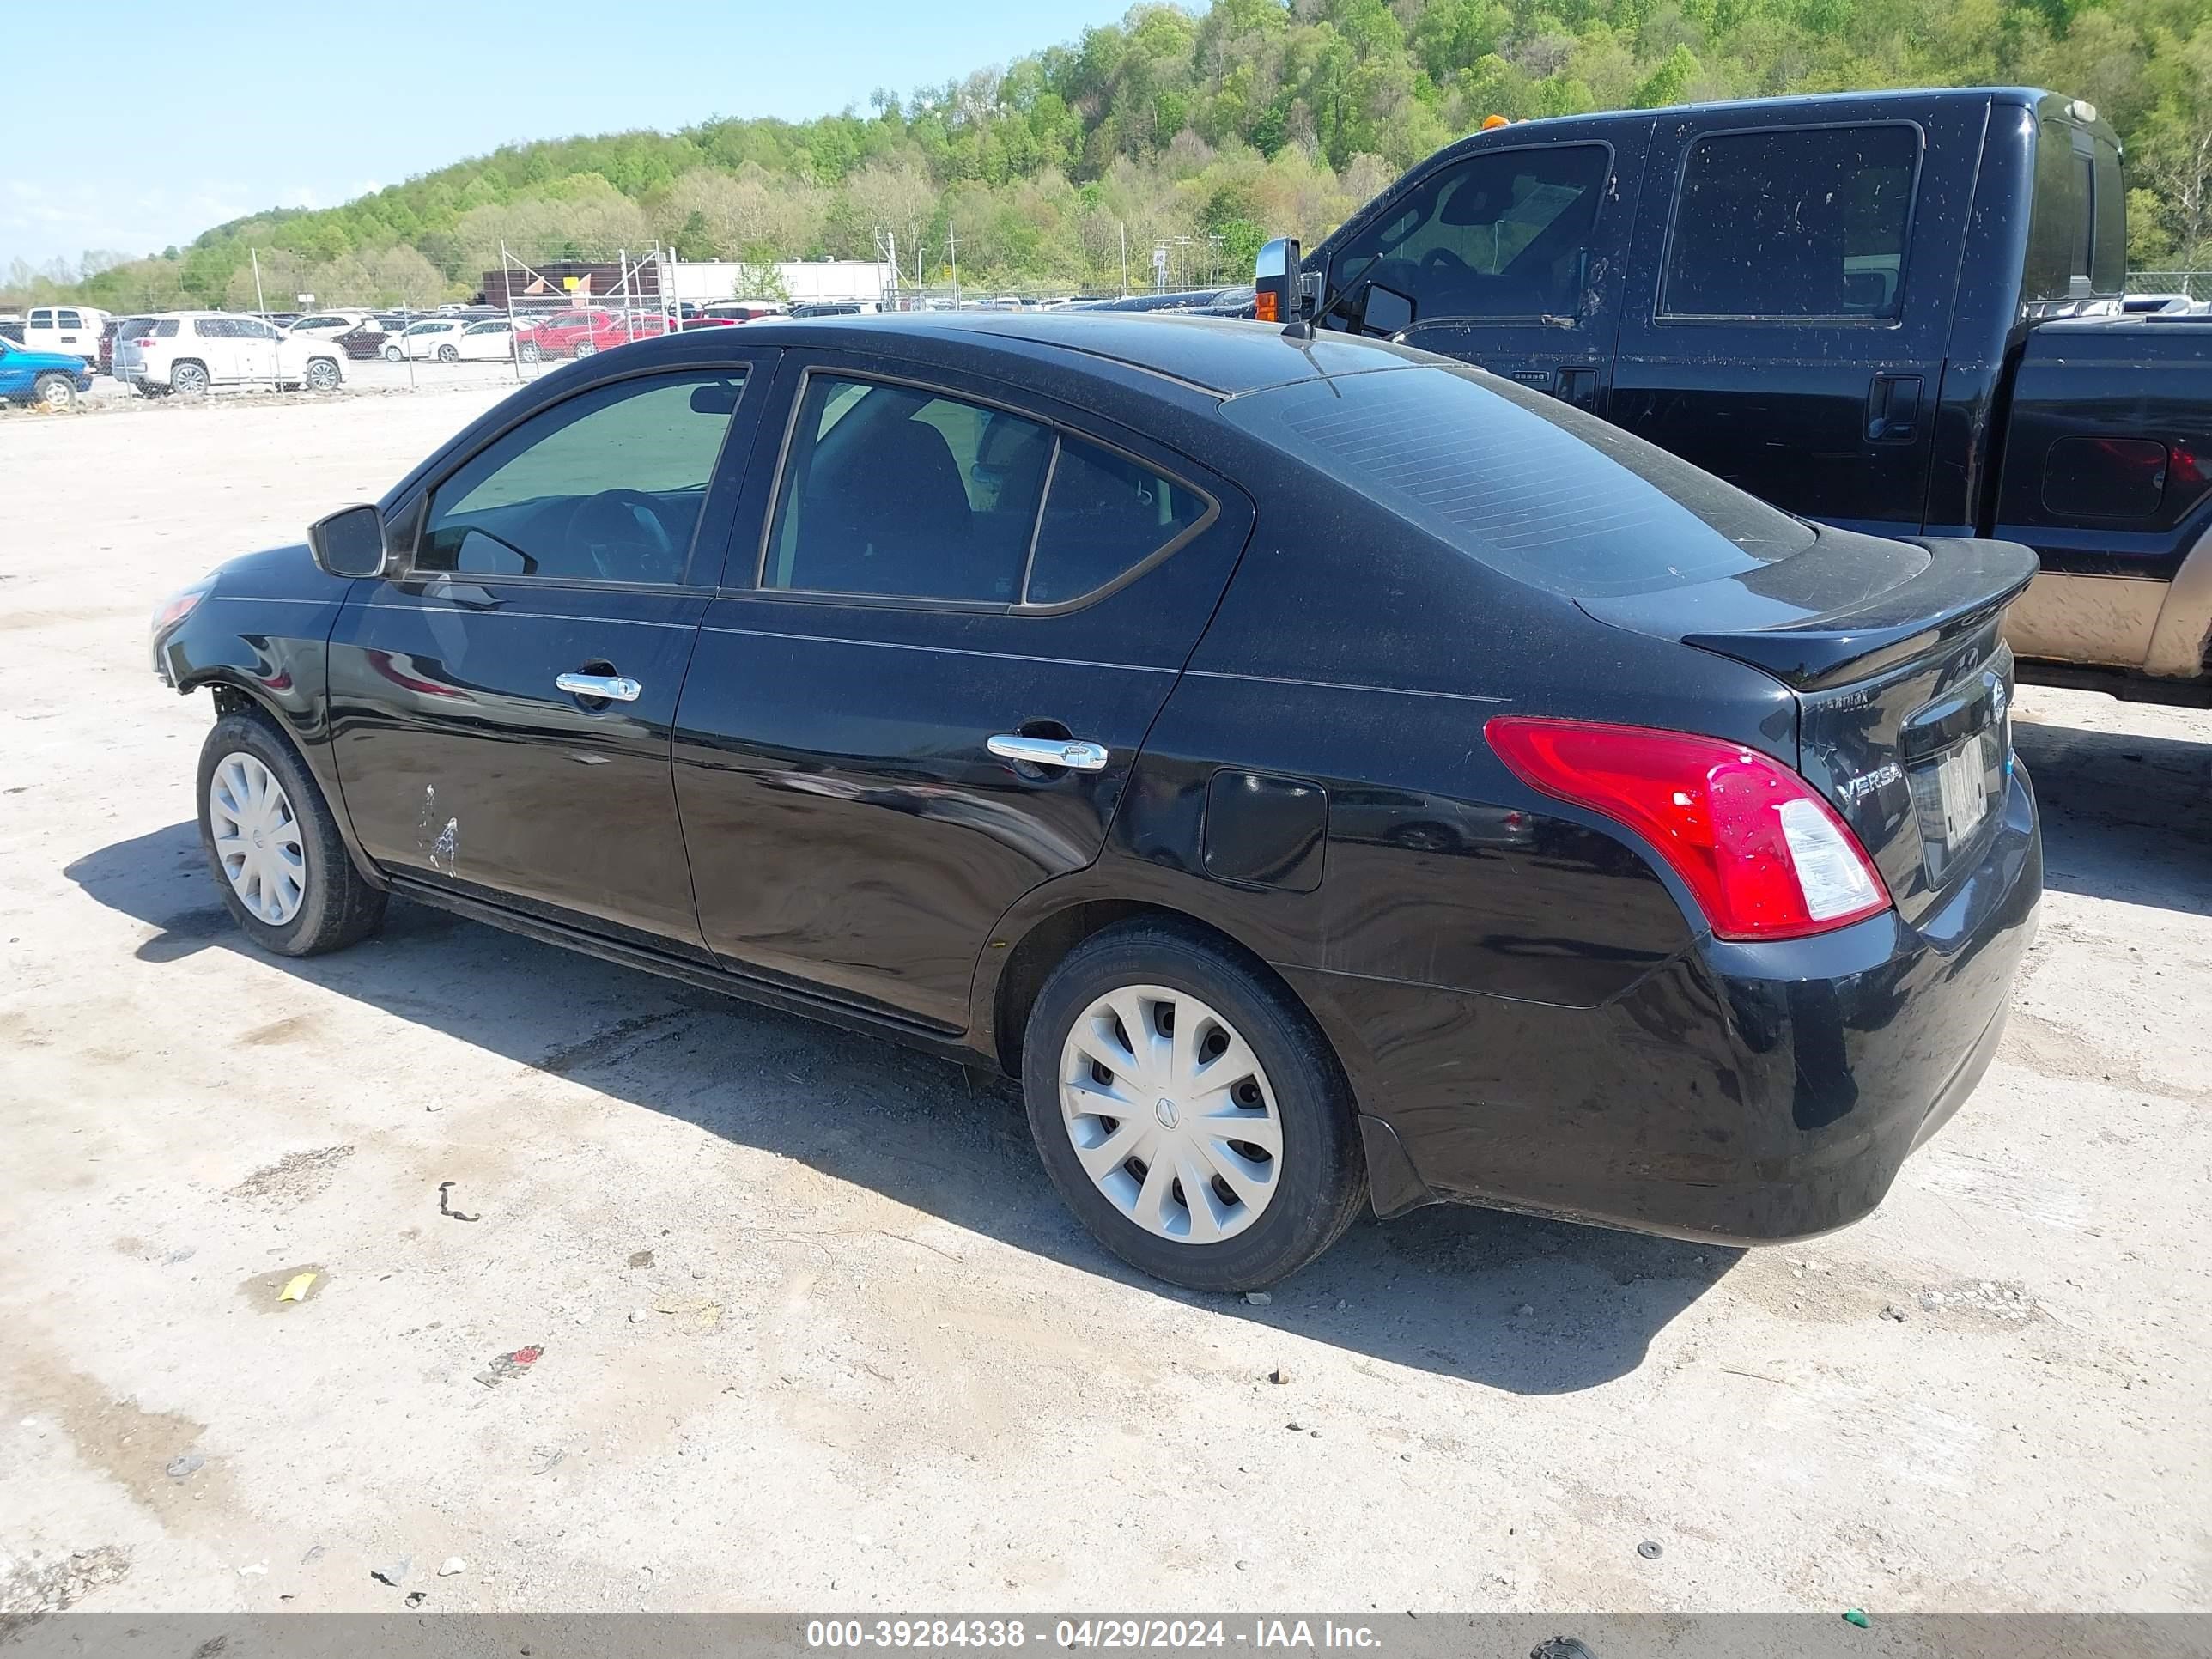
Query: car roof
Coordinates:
[1225,356]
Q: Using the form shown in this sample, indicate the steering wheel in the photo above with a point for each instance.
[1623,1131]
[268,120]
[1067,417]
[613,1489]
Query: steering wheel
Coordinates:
[1443,258]
[622,530]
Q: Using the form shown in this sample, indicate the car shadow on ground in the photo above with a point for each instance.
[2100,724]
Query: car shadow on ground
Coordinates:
[2124,817]
[1530,1306]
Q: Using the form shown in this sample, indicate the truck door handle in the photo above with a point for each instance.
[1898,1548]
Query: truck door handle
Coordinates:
[1076,754]
[615,688]
[1893,409]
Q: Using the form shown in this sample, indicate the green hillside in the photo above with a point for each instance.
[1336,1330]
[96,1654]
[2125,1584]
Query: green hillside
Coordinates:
[1249,118]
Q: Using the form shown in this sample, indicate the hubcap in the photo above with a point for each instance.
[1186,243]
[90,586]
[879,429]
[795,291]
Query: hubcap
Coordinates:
[57,393]
[1170,1115]
[257,838]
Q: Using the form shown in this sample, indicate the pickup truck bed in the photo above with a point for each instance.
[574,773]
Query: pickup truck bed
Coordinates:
[2107,475]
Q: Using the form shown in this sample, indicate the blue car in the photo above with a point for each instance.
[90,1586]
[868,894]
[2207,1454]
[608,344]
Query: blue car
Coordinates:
[52,378]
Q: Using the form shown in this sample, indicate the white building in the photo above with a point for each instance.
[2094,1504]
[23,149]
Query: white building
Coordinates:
[705,281]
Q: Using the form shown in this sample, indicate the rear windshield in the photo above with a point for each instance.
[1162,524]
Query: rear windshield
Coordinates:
[1542,492]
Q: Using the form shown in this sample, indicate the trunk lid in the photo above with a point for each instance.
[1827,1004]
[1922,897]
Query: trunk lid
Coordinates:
[1903,683]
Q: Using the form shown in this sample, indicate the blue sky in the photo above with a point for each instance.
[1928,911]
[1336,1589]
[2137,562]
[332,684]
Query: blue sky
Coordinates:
[234,107]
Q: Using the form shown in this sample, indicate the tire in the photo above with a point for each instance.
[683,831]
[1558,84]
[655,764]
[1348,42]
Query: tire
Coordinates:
[333,907]
[189,378]
[449,354]
[54,392]
[528,351]
[394,355]
[323,374]
[1292,1203]
[584,349]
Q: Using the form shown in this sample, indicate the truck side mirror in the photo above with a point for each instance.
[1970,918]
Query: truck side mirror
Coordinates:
[1278,285]
[350,542]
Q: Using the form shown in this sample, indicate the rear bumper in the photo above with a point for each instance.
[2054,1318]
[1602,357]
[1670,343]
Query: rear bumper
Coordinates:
[1739,1094]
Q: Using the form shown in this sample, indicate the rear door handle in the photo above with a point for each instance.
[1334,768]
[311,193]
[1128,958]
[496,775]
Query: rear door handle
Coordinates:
[615,688]
[1893,409]
[1076,754]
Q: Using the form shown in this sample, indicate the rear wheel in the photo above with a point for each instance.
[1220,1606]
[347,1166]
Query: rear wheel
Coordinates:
[447,354]
[55,391]
[1188,1111]
[323,374]
[189,378]
[585,348]
[278,859]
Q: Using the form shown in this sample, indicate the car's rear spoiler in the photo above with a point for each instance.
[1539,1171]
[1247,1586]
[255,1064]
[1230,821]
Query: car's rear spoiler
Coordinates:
[1963,584]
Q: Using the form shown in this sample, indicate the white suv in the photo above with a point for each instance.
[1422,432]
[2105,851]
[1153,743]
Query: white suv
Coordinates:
[191,351]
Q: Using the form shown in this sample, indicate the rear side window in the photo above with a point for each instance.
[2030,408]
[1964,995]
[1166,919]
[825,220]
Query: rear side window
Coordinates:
[606,487]
[166,329]
[212,328]
[1103,516]
[1527,485]
[1800,222]
[896,491]
[2077,233]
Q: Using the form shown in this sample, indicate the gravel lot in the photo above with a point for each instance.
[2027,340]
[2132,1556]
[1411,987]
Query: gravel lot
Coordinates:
[816,1334]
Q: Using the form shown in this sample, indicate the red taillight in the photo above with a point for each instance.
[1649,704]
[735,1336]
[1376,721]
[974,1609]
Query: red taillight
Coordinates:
[143,340]
[1764,857]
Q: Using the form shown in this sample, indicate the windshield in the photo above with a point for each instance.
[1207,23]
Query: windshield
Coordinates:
[1513,478]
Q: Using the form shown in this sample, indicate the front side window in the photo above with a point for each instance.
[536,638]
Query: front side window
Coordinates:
[606,487]
[1801,223]
[68,319]
[1497,235]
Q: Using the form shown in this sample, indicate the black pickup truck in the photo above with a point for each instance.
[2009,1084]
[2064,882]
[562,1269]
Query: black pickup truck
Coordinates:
[1868,308]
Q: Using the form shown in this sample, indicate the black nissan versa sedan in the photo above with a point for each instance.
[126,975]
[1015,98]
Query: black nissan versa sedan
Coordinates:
[1319,771]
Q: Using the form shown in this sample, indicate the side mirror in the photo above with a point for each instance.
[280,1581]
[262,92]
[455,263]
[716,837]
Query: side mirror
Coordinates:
[349,542]
[1277,287]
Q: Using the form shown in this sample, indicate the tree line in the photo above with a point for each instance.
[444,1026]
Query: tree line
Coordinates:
[1207,131]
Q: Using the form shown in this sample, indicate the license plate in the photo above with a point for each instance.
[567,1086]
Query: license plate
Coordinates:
[1958,781]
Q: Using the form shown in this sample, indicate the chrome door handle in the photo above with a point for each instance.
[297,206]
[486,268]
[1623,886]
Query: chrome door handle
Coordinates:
[1076,754]
[615,688]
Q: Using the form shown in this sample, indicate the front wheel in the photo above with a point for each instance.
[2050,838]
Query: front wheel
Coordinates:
[528,351]
[1188,1110]
[278,859]
[56,392]
[322,375]
[394,355]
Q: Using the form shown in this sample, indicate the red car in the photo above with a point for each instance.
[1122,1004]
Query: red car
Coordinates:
[580,333]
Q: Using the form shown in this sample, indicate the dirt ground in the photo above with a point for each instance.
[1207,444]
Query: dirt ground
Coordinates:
[816,1334]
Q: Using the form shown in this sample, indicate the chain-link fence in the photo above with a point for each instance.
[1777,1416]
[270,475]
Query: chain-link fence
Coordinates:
[2196,284]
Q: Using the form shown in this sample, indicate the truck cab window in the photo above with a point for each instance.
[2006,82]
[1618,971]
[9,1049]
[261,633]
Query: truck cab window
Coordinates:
[1801,222]
[1500,234]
